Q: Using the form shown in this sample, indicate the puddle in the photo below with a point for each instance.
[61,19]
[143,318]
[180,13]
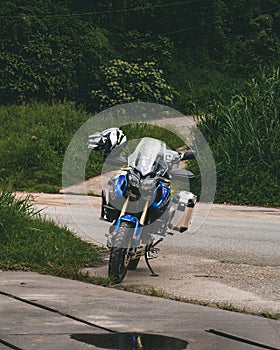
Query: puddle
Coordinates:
[131,341]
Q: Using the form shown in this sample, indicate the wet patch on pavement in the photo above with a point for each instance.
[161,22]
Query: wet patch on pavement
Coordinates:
[131,341]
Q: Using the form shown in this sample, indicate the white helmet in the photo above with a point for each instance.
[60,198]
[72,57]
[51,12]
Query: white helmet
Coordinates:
[107,140]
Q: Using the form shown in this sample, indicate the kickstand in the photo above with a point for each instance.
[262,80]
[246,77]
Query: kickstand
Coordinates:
[153,274]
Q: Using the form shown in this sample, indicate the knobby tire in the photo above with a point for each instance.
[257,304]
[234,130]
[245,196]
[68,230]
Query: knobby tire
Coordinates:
[119,259]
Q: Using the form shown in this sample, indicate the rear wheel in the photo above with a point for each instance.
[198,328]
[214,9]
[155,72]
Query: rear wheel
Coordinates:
[119,254]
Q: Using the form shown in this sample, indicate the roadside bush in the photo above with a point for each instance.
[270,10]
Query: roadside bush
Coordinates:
[244,137]
[124,82]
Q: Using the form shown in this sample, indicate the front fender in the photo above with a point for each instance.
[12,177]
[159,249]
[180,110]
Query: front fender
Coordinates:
[137,227]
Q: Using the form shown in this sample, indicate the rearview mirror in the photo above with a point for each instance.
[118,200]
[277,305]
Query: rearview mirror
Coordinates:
[188,155]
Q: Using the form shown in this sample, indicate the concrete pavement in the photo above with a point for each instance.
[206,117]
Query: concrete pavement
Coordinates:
[44,312]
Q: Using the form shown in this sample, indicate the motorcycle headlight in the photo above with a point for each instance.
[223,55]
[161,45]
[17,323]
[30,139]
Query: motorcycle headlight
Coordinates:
[147,184]
[133,180]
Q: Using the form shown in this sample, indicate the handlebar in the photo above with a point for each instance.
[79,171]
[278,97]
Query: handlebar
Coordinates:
[163,179]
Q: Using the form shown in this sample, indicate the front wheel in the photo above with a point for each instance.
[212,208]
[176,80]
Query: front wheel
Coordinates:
[119,253]
[133,264]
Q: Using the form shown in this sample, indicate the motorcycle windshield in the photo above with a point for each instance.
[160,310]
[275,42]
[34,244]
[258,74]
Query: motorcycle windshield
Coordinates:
[149,157]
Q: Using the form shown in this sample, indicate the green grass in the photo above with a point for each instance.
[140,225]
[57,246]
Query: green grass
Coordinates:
[29,242]
[150,291]
[271,315]
[244,138]
[35,137]
[200,85]
[33,141]
[230,307]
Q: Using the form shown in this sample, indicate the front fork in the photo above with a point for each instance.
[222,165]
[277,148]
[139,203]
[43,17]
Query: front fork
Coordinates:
[136,223]
[145,211]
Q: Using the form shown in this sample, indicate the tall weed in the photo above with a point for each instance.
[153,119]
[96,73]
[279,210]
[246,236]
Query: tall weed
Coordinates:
[244,137]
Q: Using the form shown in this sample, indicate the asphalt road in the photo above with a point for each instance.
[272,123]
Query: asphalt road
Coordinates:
[237,240]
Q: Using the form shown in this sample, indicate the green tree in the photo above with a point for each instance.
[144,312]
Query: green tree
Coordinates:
[46,53]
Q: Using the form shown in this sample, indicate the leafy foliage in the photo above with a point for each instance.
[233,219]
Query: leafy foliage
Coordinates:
[46,57]
[53,50]
[124,82]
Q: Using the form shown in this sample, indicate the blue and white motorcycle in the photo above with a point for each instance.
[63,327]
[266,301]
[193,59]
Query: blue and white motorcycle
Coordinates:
[139,203]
